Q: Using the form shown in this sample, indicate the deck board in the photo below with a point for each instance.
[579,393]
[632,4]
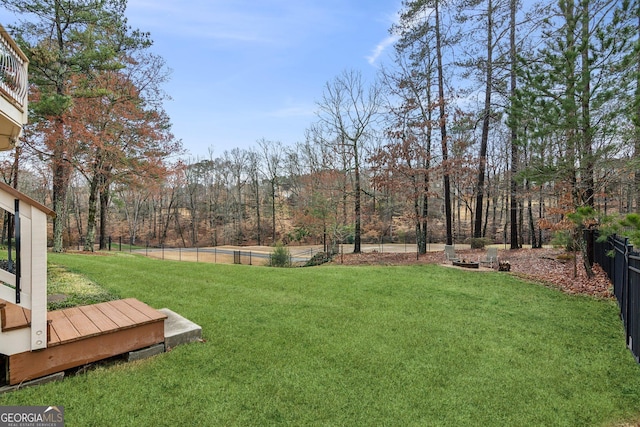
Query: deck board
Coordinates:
[63,326]
[14,316]
[102,322]
[151,313]
[52,336]
[81,322]
[115,315]
[130,311]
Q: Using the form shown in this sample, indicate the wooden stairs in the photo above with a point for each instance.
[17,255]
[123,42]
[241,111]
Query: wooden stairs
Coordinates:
[81,335]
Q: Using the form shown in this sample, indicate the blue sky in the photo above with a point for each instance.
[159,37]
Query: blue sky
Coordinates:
[243,70]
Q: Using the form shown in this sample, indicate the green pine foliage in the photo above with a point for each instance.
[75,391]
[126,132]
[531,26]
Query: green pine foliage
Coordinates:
[280,257]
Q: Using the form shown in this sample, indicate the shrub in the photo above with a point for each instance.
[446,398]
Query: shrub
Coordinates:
[563,239]
[478,242]
[318,259]
[280,257]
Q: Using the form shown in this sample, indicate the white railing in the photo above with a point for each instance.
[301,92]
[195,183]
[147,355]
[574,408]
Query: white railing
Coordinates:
[13,71]
[32,271]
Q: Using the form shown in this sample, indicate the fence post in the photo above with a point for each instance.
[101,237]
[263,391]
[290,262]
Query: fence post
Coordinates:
[625,278]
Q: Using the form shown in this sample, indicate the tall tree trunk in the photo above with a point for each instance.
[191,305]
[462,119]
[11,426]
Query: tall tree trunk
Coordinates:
[569,106]
[105,197]
[513,185]
[77,212]
[427,162]
[587,143]
[273,210]
[486,214]
[61,176]
[532,227]
[91,216]
[258,216]
[165,226]
[357,201]
[176,217]
[425,206]
[477,229]
[443,129]
[239,212]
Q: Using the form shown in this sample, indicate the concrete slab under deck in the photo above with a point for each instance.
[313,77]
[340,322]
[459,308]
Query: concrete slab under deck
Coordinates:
[179,330]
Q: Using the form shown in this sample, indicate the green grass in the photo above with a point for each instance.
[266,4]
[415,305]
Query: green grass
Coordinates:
[76,289]
[412,345]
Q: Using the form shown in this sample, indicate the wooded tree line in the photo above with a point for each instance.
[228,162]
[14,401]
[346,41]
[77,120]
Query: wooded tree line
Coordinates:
[493,120]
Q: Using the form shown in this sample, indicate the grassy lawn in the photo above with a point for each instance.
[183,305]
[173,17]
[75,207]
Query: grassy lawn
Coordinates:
[334,345]
[76,289]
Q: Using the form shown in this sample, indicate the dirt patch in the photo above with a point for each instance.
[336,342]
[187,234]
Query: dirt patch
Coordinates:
[56,298]
[552,267]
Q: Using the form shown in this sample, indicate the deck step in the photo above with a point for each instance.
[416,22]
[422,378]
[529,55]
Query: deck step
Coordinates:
[178,330]
[86,334]
[13,316]
[77,323]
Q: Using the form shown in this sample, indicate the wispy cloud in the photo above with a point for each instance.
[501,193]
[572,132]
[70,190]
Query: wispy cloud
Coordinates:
[293,111]
[380,48]
[391,19]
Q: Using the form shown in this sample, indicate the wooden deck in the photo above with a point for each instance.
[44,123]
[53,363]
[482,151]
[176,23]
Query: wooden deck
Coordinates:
[86,334]
[72,324]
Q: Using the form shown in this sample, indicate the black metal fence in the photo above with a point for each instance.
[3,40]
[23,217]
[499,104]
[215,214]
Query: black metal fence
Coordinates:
[622,264]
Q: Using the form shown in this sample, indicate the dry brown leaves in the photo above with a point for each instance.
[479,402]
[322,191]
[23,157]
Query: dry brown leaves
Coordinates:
[551,267]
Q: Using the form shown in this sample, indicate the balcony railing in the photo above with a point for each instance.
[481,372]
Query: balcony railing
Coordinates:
[14,88]
[13,71]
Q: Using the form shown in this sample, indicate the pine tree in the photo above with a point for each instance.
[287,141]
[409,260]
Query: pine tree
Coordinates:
[68,38]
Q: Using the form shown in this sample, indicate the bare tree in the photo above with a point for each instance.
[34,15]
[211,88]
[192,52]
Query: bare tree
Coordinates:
[348,109]
[237,161]
[272,156]
[253,171]
[406,160]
